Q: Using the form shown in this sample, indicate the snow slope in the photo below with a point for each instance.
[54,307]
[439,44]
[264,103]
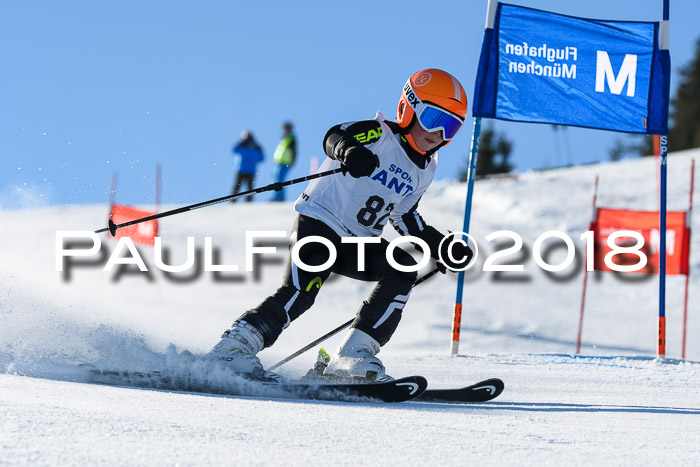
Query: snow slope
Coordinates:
[614,404]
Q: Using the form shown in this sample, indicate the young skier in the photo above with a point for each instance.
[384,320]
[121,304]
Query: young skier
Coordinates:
[390,164]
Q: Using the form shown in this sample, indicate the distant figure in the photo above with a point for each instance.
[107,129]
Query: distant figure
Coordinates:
[284,157]
[251,154]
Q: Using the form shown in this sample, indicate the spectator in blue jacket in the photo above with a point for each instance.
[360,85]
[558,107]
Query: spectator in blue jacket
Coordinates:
[251,155]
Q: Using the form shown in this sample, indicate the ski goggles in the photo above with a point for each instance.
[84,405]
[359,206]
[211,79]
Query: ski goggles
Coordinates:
[433,118]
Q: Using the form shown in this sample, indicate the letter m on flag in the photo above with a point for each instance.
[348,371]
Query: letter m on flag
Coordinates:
[604,73]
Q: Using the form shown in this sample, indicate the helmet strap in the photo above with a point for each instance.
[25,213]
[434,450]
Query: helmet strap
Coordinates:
[413,145]
[415,154]
[406,132]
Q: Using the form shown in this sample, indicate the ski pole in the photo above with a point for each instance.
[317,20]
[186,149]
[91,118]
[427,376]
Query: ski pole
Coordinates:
[339,328]
[272,186]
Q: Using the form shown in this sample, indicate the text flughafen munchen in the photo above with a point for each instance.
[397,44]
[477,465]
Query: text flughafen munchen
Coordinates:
[557,59]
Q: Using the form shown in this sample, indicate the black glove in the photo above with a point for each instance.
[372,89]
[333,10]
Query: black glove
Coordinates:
[460,252]
[360,161]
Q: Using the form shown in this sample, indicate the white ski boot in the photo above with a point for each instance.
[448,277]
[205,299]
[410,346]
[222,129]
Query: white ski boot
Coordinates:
[355,360]
[237,351]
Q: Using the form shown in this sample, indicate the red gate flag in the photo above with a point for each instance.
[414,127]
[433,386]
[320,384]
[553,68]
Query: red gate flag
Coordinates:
[143,233]
[647,224]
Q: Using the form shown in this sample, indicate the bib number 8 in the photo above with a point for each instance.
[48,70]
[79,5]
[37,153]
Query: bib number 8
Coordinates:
[367,216]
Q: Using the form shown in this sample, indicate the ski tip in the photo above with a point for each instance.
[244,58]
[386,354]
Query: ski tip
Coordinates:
[492,386]
[411,386]
[420,380]
[482,391]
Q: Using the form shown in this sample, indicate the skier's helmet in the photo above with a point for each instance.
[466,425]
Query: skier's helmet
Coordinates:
[436,100]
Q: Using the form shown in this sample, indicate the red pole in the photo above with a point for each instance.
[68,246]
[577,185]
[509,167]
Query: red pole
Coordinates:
[583,304]
[585,269]
[687,276]
[685,314]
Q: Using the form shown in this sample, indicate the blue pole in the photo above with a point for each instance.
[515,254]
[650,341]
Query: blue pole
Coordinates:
[491,6]
[661,348]
[661,352]
[457,315]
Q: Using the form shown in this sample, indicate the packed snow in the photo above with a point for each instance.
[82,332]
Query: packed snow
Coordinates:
[615,403]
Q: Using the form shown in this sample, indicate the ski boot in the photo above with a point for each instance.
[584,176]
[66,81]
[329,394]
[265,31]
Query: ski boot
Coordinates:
[237,349]
[355,360]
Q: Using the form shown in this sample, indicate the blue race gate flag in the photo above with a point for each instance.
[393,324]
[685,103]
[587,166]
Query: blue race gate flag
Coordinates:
[542,67]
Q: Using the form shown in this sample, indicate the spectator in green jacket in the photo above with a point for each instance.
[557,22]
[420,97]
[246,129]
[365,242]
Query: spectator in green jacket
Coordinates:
[284,157]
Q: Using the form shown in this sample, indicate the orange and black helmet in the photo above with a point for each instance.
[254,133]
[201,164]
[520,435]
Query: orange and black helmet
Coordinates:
[436,100]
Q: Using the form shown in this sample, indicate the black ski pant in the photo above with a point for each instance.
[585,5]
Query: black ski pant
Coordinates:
[378,316]
[248,179]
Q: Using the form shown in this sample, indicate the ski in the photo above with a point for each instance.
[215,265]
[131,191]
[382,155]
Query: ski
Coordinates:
[480,392]
[399,390]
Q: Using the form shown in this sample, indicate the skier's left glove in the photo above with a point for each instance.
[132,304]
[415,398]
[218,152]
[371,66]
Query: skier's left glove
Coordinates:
[360,161]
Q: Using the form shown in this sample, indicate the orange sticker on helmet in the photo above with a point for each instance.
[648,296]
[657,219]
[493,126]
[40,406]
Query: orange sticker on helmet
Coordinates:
[422,79]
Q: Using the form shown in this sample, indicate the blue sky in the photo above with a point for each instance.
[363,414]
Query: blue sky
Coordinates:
[93,88]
